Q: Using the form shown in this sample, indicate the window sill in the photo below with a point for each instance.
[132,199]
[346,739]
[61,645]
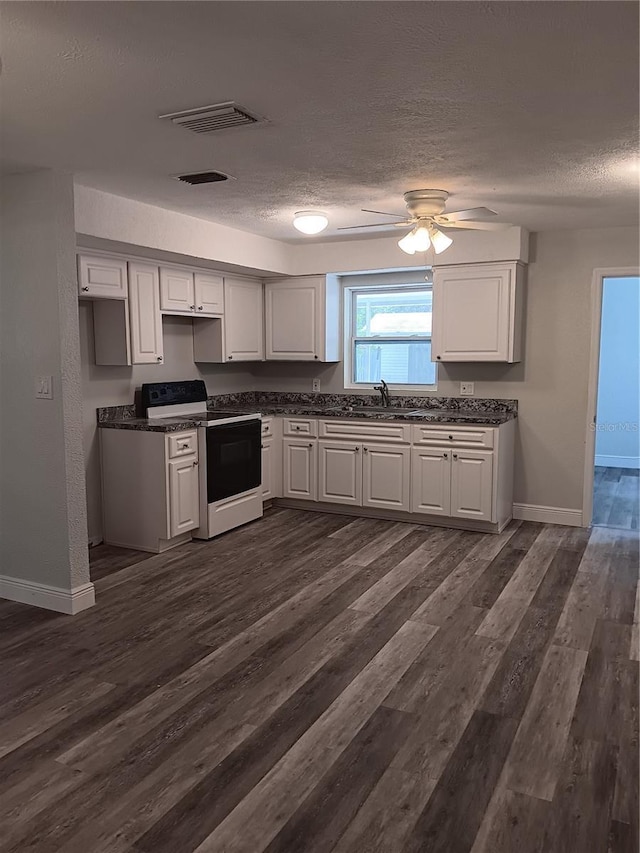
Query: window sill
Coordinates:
[406,390]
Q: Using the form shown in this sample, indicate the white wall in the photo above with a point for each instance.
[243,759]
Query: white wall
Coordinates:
[618,435]
[115,386]
[42,501]
[551,381]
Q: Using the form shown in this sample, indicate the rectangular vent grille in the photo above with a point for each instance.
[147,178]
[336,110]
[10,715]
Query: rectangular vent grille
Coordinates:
[203,178]
[214,117]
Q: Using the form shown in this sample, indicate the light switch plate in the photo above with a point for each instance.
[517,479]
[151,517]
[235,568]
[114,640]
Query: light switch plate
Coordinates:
[44,387]
[315,387]
[467,389]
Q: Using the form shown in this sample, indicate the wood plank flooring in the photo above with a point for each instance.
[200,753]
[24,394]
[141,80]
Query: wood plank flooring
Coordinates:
[314,683]
[616,497]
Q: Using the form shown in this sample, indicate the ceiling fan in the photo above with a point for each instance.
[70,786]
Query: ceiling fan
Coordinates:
[427,217]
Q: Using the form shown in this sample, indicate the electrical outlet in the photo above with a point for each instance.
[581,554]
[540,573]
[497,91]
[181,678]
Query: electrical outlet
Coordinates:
[315,387]
[467,389]
[44,387]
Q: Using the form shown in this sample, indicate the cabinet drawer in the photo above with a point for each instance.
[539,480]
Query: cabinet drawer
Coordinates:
[267,427]
[366,430]
[182,444]
[454,434]
[300,426]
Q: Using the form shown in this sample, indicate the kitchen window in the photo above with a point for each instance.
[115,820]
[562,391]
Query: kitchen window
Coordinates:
[389,337]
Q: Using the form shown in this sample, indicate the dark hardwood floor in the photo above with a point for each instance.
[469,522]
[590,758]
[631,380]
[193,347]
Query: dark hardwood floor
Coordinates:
[316,683]
[616,497]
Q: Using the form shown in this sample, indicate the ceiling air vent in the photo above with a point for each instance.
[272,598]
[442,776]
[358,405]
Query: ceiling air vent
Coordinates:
[202,178]
[214,117]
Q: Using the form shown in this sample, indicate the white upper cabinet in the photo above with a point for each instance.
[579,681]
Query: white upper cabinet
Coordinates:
[302,319]
[144,314]
[208,294]
[243,320]
[102,278]
[176,291]
[477,312]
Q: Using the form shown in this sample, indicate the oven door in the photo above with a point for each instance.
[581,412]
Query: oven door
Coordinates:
[233,459]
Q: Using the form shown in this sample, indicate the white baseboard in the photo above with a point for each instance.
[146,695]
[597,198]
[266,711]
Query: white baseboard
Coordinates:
[618,461]
[69,601]
[548,514]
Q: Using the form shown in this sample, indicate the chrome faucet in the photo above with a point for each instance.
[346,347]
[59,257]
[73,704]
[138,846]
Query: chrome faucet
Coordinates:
[383,388]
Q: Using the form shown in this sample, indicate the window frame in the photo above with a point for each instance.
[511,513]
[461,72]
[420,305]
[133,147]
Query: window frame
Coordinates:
[351,339]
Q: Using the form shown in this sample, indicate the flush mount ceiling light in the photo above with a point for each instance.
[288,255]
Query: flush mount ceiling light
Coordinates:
[310,221]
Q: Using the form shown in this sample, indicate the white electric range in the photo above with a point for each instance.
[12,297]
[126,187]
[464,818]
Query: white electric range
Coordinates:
[229,452]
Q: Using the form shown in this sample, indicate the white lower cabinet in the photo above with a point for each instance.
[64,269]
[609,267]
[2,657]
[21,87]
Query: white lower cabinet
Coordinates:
[340,473]
[386,476]
[431,481]
[472,484]
[300,469]
[184,503]
[271,469]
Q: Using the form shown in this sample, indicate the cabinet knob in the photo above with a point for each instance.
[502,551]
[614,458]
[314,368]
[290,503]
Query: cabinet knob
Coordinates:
[438,357]
[196,463]
[192,307]
[365,449]
[200,308]
[450,438]
[84,289]
[262,446]
[315,356]
[446,455]
[357,449]
[184,446]
[310,444]
[455,455]
[159,358]
[229,357]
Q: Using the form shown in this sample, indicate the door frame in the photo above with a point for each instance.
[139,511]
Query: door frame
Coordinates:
[597,288]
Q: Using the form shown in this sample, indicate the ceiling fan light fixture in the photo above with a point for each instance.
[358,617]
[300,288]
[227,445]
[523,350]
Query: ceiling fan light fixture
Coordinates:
[421,239]
[407,243]
[310,221]
[439,240]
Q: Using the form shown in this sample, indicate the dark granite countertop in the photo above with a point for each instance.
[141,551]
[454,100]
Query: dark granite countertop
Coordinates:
[414,410]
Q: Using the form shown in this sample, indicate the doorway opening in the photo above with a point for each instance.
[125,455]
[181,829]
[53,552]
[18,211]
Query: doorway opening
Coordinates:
[616,480]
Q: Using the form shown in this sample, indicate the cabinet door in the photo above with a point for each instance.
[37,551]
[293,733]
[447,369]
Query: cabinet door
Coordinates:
[102,278]
[144,314]
[300,467]
[340,473]
[431,481]
[294,319]
[268,469]
[176,291]
[209,296]
[243,320]
[184,505]
[472,313]
[386,476]
[472,484]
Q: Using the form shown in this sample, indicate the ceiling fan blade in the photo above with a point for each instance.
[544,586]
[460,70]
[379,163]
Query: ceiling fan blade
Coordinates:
[373,225]
[382,212]
[471,213]
[476,226]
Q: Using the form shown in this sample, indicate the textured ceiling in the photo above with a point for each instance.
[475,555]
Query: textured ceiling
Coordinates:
[528,107]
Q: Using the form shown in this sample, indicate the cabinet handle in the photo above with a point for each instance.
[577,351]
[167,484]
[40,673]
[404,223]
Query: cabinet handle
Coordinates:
[84,289]
[192,307]
[159,358]
[446,455]
[455,455]
[200,308]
